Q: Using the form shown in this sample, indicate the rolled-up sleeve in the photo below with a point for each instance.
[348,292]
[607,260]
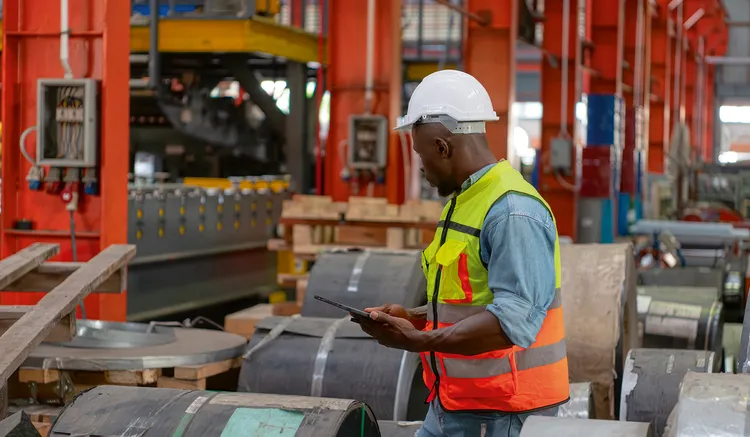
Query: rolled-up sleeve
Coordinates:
[518,247]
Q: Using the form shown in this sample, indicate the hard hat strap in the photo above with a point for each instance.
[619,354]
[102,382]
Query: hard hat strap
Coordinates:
[454,126]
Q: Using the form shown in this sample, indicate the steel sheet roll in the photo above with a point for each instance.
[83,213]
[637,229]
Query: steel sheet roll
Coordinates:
[389,428]
[681,318]
[540,426]
[159,412]
[743,358]
[581,403]
[683,277]
[364,279]
[711,405]
[325,357]
[651,382]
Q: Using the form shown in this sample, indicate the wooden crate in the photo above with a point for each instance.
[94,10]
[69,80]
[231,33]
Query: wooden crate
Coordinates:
[45,384]
[243,322]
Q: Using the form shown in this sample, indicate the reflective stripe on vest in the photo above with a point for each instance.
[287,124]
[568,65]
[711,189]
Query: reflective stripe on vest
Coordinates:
[487,367]
[450,313]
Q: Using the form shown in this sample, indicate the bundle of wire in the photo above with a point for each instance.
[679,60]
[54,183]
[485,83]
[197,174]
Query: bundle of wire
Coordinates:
[69,132]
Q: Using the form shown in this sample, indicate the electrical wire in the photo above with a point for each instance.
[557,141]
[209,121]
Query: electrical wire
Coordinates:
[22,144]
[74,250]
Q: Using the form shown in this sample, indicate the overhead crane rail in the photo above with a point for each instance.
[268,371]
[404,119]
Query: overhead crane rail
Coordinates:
[254,35]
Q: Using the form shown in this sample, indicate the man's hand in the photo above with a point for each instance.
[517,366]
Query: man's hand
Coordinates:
[391,331]
[416,316]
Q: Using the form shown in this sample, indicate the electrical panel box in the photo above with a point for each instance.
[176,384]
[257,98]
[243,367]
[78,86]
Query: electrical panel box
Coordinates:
[67,122]
[368,141]
[561,154]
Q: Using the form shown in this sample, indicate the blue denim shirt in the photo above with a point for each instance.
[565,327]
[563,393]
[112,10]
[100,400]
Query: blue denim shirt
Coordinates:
[517,244]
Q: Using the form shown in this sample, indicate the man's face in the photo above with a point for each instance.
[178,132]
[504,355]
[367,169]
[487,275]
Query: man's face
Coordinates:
[431,142]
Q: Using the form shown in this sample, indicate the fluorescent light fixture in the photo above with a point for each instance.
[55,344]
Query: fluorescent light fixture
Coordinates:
[728,157]
[735,114]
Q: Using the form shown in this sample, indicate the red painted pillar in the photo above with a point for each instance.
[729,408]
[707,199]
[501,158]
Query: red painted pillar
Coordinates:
[691,81]
[662,46]
[607,29]
[99,48]
[561,195]
[490,56]
[347,60]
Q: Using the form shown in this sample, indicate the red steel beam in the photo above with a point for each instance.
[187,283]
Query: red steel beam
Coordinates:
[99,48]
[662,46]
[607,29]
[560,195]
[347,53]
[490,56]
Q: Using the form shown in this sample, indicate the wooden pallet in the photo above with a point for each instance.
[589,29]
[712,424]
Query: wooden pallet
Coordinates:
[45,385]
[23,328]
[243,322]
[316,223]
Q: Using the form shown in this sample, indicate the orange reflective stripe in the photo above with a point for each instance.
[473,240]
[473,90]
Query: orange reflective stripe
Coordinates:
[463,276]
[485,367]
[450,313]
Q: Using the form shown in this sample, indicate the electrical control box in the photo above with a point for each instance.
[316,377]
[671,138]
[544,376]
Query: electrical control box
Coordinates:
[368,141]
[561,154]
[67,122]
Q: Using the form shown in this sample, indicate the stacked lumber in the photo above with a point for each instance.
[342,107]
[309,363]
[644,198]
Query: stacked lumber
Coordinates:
[316,223]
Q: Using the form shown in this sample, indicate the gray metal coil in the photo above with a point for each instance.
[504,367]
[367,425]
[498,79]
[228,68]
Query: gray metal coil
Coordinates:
[651,382]
[681,318]
[683,277]
[540,426]
[581,403]
[364,279]
[743,358]
[158,412]
[350,364]
[711,405]
[389,428]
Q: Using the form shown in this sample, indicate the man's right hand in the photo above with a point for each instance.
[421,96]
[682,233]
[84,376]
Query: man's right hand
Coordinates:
[395,310]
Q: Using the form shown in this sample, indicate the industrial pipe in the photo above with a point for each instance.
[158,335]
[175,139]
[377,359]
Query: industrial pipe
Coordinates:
[727,60]
[678,50]
[564,79]
[65,39]
[370,56]
[154,58]
[640,36]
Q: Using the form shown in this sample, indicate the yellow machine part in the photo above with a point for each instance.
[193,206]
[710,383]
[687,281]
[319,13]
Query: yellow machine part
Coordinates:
[268,7]
[275,185]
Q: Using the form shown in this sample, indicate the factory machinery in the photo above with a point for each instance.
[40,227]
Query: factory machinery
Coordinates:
[191,239]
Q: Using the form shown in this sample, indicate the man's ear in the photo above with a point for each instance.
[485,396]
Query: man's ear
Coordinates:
[444,148]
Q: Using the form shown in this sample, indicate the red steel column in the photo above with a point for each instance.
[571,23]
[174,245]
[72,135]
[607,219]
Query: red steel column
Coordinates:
[607,30]
[99,48]
[662,43]
[490,56]
[561,196]
[347,41]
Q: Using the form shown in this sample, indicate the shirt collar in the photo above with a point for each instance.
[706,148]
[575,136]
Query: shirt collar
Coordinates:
[475,177]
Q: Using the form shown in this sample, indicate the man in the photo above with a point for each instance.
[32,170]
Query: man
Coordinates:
[491,337]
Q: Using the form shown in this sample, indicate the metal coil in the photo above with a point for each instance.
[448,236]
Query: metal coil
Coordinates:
[581,403]
[683,277]
[540,426]
[711,405]
[681,318]
[651,382]
[131,411]
[333,358]
[364,279]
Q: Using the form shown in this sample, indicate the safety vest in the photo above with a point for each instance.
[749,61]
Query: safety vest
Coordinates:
[509,380]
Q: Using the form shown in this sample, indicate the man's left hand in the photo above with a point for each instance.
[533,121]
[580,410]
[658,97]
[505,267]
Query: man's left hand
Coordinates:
[390,331]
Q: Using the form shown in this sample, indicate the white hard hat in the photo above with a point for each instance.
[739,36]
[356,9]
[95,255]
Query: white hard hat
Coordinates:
[453,98]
